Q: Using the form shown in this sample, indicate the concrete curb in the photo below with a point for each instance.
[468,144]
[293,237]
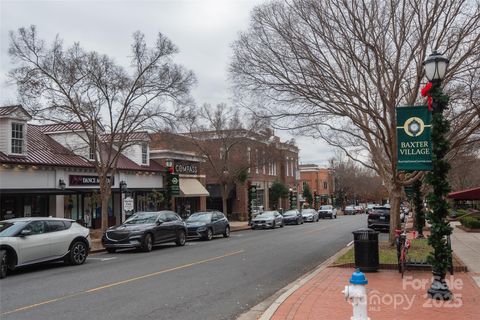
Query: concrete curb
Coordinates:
[231,230]
[266,309]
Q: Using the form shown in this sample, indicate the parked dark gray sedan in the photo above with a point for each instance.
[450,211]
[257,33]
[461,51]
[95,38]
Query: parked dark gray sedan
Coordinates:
[292,217]
[143,230]
[206,225]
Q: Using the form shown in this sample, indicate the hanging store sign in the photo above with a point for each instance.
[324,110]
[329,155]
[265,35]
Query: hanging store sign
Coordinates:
[414,144]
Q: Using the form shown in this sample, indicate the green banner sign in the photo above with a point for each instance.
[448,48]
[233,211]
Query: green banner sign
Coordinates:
[414,143]
[174,185]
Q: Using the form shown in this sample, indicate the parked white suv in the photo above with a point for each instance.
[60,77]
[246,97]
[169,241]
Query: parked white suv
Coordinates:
[25,241]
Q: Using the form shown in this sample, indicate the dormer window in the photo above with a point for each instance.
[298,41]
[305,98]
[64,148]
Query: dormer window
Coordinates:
[18,138]
[91,153]
[144,153]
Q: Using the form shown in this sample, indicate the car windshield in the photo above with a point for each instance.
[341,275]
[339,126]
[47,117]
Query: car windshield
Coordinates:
[200,217]
[142,218]
[325,207]
[8,229]
[290,213]
[266,214]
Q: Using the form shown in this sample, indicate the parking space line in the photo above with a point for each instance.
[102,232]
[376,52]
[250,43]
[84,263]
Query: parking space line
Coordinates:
[188,265]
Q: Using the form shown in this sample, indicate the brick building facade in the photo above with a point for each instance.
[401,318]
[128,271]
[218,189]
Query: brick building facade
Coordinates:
[320,181]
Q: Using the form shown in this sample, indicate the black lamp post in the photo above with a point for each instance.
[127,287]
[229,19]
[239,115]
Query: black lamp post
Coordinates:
[435,68]
[169,170]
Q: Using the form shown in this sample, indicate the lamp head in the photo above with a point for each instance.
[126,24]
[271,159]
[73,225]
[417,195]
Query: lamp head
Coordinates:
[435,66]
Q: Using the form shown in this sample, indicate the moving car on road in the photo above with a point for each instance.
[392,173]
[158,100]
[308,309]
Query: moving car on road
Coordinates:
[206,225]
[310,215]
[292,217]
[379,218]
[268,219]
[25,241]
[327,211]
[143,230]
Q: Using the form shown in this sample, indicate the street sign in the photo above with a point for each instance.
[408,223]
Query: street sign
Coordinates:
[414,145]
[128,204]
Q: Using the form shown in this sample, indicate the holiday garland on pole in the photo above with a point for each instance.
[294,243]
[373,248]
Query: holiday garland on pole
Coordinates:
[437,178]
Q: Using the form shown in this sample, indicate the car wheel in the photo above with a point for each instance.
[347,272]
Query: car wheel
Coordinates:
[273,225]
[181,238]
[282,225]
[297,222]
[253,228]
[111,250]
[147,244]
[226,234]
[78,253]
[209,234]
[3,264]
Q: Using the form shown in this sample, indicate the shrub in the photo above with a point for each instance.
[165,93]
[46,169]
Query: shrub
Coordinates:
[470,222]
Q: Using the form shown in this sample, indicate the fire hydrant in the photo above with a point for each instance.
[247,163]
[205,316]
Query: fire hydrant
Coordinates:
[357,293]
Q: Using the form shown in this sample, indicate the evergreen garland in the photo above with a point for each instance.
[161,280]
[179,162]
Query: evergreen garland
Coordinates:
[437,178]
[418,207]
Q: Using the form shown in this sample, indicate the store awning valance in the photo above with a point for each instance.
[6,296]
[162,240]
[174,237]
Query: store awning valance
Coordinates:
[192,188]
[470,194]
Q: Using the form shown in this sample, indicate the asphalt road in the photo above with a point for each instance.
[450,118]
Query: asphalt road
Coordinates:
[213,280]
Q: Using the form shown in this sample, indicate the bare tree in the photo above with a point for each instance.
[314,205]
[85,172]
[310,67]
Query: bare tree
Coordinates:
[222,135]
[62,85]
[343,67]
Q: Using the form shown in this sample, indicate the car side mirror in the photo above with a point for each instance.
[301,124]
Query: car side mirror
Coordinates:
[25,232]
[159,222]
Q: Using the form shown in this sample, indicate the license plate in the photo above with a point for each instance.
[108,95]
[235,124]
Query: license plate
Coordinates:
[382,218]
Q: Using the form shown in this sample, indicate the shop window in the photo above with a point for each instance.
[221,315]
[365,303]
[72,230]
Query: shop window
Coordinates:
[325,185]
[72,207]
[18,136]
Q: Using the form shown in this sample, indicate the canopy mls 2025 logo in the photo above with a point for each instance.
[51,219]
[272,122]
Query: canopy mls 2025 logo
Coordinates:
[414,145]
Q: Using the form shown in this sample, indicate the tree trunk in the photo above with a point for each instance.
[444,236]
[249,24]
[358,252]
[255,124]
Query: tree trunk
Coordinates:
[105,192]
[224,199]
[395,198]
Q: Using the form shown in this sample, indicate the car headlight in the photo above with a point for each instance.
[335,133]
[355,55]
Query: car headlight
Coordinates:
[201,229]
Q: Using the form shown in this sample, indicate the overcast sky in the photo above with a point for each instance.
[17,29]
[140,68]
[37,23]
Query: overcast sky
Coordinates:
[202,29]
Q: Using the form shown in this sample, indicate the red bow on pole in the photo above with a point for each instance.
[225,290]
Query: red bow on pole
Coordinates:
[426,93]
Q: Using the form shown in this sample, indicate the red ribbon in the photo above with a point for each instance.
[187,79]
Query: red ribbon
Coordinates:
[426,93]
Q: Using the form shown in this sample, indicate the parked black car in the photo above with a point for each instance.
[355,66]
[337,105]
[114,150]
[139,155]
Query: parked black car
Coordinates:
[292,217]
[206,225]
[379,218]
[143,230]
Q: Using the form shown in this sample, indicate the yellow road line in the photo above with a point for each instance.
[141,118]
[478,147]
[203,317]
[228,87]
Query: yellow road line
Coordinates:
[123,282]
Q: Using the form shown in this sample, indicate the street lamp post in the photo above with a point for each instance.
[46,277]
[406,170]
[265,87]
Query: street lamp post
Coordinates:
[169,170]
[435,68]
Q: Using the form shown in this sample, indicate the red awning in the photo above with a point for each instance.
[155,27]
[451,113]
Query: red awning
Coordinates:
[469,194]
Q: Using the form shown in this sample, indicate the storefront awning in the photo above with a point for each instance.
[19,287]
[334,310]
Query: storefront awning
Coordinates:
[470,194]
[192,188]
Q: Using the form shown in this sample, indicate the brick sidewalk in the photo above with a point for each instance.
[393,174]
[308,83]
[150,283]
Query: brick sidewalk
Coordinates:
[388,297]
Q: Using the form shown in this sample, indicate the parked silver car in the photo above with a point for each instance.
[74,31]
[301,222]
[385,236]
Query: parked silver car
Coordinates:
[268,219]
[25,241]
[327,211]
[310,215]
